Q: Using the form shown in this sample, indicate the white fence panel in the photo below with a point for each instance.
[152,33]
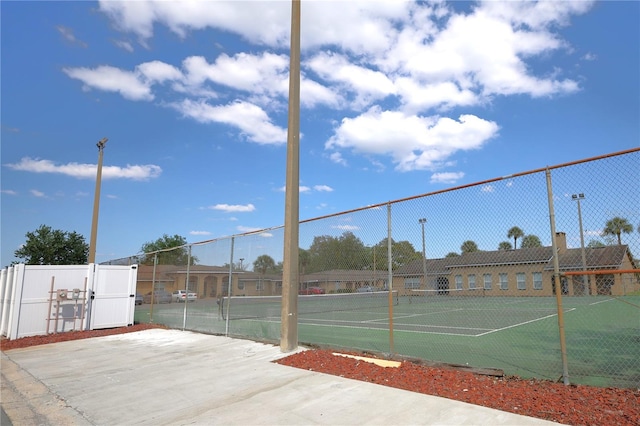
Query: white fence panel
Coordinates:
[5,300]
[31,305]
[113,301]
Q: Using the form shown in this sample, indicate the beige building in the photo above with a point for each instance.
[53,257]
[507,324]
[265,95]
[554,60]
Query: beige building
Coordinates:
[520,272]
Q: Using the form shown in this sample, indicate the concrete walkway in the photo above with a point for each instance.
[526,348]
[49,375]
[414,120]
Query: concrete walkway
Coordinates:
[170,377]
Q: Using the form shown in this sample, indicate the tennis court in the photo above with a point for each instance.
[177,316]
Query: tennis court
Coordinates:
[516,334]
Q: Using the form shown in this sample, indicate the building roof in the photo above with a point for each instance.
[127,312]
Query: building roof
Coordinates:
[608,257]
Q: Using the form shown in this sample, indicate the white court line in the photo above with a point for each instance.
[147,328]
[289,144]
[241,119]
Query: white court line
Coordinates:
[519,324]
[602,301]
[380,329]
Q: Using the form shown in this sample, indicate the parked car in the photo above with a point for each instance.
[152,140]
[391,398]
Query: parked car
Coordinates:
[139,299]
[181,296]
[159,296]
[366,289]
[311,290]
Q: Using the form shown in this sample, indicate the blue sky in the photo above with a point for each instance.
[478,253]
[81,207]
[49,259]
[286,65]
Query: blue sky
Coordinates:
[397,99]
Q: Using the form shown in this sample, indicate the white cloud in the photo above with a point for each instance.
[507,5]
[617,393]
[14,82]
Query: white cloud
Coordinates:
[230,208]
[346,227]
[123,44]
[8,192]
[111,79]
[253,121]
[414,142]
[247,229]
[157,71]
[396,64]
[367,85]
[323,188]
[37,193]
[87,171]
[205,233]
[181,17]
[488,188]
[337,158]
[67,33]
[447,177]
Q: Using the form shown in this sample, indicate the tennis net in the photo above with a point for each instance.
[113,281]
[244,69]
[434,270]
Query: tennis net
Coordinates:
[248,307]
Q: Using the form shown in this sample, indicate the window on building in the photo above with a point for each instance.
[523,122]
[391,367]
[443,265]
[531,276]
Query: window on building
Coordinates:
[487,281]
[459,282]
[537,280]
[521,279]
[412,283]
[504,282]
[240,285]
[259,286]
[472,281]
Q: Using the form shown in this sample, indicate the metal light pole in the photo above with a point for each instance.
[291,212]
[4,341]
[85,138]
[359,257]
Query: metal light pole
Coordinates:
[424,253]
[585,278]
[96,203]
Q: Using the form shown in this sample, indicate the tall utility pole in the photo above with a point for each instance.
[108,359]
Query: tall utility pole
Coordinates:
[96,203]
[290,279]
[424,253]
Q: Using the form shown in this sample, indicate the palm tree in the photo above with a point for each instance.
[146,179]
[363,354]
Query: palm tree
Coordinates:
[617,226]
[515,233]
[263,264]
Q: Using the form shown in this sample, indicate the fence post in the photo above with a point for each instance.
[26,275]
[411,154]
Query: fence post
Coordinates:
[229,287]
[390,277]
[556,277]
[153,285]
[186,291]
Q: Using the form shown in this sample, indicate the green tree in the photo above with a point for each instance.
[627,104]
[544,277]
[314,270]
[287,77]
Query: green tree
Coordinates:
[344,252]
[469,247]
[515,233]
[616,227]
[171,251]
[46,246]
[402,252]
[505,245]
[264,264]
[529,241]
[304,259]
[595,244]
[452,254]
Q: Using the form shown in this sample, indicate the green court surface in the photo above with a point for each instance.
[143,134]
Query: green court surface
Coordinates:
[519,335]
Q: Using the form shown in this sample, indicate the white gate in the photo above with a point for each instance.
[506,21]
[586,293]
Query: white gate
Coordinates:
[113,297]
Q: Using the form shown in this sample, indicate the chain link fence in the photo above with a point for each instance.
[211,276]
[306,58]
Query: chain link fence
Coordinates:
[535,274]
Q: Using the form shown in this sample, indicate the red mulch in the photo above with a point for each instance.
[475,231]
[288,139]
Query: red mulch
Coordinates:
[571,405]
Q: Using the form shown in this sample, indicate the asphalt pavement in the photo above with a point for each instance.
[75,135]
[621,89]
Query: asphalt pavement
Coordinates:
[172,377]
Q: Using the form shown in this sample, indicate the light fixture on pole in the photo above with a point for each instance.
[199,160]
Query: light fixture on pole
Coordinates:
[424,255]
[96,203]
[585,278]
[241,260]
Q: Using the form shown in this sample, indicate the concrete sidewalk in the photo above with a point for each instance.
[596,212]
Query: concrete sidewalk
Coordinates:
[170,377]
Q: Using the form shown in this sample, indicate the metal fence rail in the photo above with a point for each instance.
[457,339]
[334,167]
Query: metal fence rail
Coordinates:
[534,273]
